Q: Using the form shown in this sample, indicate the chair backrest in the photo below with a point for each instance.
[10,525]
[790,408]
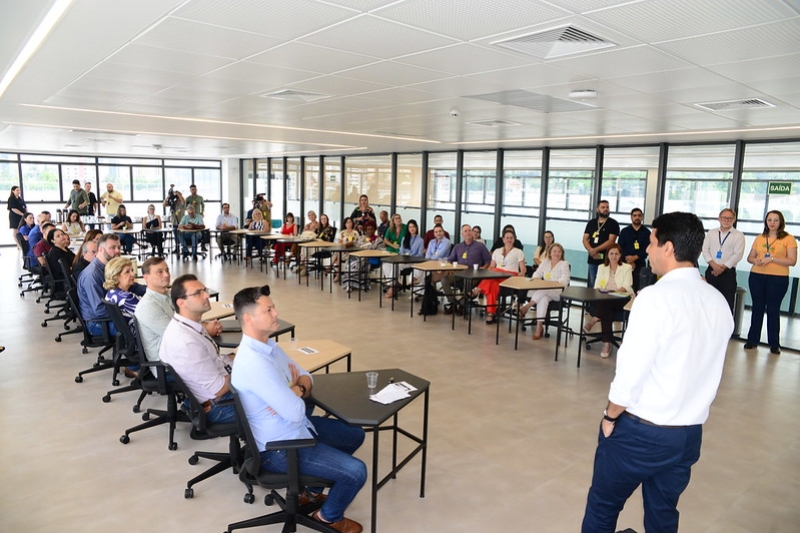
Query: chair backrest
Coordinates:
[23,244]
[88,338]
[198,414]
[252,455]
[66,270]
[127,345]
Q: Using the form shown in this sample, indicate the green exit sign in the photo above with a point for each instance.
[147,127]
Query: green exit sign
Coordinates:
[780,187]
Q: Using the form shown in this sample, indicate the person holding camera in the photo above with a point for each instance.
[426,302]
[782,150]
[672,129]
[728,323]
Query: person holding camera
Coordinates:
[177,205]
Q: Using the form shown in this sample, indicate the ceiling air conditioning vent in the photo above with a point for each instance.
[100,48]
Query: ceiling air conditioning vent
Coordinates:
[733,105]
[556,42]
[296,95]
[494,123]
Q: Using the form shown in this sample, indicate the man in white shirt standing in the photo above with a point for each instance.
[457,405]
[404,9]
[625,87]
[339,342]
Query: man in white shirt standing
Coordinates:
[668,370]
[723,248]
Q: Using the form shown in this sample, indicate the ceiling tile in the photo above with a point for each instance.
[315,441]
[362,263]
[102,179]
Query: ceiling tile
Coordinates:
[778,87]
[465,59]
[205,39]
[312,58]
[255,73]
[287,19]
[170,60]
[337,85]
[670,80]
[763,68]
[394,73]
[382,38]
[530,76]
[466,19]
[621,62]
[127,73]
[662,20]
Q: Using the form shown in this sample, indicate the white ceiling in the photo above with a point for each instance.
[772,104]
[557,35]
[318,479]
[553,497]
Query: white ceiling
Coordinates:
[188,75]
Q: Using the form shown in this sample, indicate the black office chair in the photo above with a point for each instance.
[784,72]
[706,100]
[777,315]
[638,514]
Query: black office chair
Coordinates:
[57,294]
[72,313]
[104,341]
[202,429]
[29,276]
[126,352]
[251,474]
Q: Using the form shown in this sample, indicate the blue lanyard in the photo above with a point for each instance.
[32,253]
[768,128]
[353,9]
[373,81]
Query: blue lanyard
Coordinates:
[722,241]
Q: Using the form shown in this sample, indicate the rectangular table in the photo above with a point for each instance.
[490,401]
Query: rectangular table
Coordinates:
[396,261]
[521,286]
[428,267]
[218,311]
[473,275]
[585,296]
[231,335]
[346,397]
[367,254]
[317,245]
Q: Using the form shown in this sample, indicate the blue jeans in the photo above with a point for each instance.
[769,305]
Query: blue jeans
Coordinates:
[96,328]
[332,458]
[592,275]
[660,459]
[219,414]
[189,238]
[252,241]
[767,293]
[127,241]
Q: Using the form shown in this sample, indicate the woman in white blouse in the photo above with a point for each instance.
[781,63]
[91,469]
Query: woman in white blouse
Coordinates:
[505,259]
[612,276]
[552,269]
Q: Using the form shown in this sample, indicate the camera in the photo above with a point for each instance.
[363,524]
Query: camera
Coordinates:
[454,112]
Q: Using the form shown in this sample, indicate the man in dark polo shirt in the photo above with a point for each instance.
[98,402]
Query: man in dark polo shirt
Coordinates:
[599,235]
[468,252]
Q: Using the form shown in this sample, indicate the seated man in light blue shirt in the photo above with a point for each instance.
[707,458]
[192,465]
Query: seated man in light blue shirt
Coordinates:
[190,227]
[439,246]
[272,389]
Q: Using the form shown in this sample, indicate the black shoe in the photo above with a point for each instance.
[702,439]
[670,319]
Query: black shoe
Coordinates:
[749,346]
[774,350]
[194,258]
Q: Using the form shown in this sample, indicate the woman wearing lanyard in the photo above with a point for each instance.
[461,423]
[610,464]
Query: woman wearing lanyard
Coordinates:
[773,252]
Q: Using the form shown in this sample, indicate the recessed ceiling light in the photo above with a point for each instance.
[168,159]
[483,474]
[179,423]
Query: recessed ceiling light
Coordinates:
[580,94]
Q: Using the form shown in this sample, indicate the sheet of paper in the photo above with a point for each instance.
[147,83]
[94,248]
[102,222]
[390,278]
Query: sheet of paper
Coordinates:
[392,393]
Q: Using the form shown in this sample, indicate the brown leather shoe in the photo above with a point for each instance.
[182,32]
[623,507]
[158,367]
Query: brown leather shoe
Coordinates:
[305,498]
[345,525]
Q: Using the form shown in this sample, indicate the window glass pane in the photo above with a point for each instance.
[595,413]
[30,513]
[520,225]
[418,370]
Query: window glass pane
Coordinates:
[192,163]
[82,173]
[626,173]
[179,178]
[9,177]
[312,183]
[120,177]
[292,187]
[147,185]
[262,177]
[699,180]
[209,183]
[129,161]
[39,158]
[332,205]
[40,182]
[522,190]
[442,190]
[370,175]
[8,157]
[409,187]
[277,189]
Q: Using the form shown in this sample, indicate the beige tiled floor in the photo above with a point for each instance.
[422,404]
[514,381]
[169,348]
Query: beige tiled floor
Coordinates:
[511,443]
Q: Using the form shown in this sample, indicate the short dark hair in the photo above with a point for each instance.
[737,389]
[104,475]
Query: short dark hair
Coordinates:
[602,202]
[153,261]
[105,238]
[246,298]
[52,235]
[226,203]
[684,230]
[637,210]
[192,185]
[178,289]
[76,182]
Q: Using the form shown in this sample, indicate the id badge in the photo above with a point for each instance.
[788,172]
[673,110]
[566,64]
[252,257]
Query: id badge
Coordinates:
[719,254]
[635,245]
[548,276]
[464,255]
[768,255]
[596,240]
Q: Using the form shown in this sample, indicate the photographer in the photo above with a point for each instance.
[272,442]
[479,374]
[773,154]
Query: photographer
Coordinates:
[265,206]
[177,206]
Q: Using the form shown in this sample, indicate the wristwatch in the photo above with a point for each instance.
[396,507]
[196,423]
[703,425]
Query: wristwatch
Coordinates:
[606,417]
[302,389]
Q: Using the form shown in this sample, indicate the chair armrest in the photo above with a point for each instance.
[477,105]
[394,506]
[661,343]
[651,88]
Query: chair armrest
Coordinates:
[290,444]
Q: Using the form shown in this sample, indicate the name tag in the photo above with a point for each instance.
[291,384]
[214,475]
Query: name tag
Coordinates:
[719,254]
[768,255]
[602,284]
[464,255]
[635,245]
[601,256]
[548,275]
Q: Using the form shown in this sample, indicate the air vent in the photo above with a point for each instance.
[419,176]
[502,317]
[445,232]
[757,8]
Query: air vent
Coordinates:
[398,134]
[494,123]
[535,101]
[732,105]
[296,96]
[556,42]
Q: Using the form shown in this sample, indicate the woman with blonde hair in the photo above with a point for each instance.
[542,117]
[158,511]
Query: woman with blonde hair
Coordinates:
[554,268]
[119,279]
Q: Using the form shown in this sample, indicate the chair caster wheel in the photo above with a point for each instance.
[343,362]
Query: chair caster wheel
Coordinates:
[106,398]
[124,439]
[136,408]
[269,500]
[146,416]
[58,339]
[173,446]
[188,494]
[78,379]
[115,383]
[193,460]
[249,498]
[85,350]
[44,324]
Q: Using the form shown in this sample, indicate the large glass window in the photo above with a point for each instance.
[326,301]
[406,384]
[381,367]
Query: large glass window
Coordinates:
[9,177]
[626,174]
[40,182]
[82,173]
[699,180]
[180,178]
[442,191]
[478,191]
[311,196]
[148,185]
[569,202]
[293,190]
[332,201]
[370,175]
[522,196]
[209,183]
[409,187]
[277,177]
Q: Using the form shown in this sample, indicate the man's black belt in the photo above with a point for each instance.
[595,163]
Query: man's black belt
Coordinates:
[648,423]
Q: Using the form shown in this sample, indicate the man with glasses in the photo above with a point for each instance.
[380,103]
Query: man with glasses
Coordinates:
[723,248]
[191,352]
[225,223]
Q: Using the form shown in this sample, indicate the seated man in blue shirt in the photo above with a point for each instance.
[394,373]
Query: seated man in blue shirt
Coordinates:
[468,252]
[90,285]
[190,225]
[272,389]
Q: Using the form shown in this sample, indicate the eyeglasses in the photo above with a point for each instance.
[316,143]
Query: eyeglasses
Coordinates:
[198,292]
[726,218]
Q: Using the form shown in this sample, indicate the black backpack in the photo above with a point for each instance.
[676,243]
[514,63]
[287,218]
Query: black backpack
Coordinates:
[430,301]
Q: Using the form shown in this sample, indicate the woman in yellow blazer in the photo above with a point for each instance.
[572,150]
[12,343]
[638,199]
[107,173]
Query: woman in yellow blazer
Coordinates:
[612,276]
